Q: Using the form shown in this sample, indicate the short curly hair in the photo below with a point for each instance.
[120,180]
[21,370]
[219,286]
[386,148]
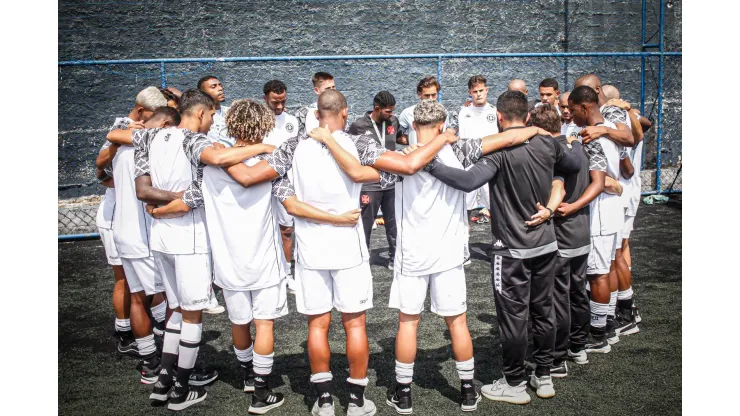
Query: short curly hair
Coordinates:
[249,121]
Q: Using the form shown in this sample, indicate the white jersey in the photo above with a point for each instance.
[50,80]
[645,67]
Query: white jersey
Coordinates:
[171,170]
[635,183]
[477,122]
[104,216]
[131,223]
[320,182]
[570,129]
[286,126]
[431,222]
[607,210]
[615,114]
[218,132]
[406,120]
[243,232]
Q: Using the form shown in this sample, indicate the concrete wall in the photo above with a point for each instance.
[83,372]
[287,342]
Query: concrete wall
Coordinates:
[91,97]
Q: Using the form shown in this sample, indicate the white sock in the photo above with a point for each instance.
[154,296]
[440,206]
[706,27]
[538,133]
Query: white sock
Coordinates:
[146,345]
[159,312]
[263,363]
[404,372]
[189,344]
[625,294]
[598,314]
[123,325]
[358,381]
[612,304]
[171,343]
[244,356]
[321,377]
[465,369]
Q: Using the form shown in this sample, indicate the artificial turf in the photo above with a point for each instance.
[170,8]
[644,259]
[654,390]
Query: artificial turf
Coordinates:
[642,374]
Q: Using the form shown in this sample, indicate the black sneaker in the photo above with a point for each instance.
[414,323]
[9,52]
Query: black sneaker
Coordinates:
[400,399]
[264,399]
[187,398]
[150,369]
[127,344]
[247,371]
[598,347]
[625,324]
[469,396]
[559,370]
[202,377]
[612,337]
[162,388]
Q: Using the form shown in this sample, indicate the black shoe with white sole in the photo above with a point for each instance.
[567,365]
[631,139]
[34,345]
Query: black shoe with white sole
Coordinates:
[247,371]
[264,399]
[612,337]
[161,392]
[559,370]
[469,396]
[202,377]
[150,368]
[598,347]
[400,399]
[626,324]
[127,344]
[187,398]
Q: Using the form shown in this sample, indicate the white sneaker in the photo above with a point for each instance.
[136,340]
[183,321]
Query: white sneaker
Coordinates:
[326,410]
[578,357]
[544,386]
[215,310]
[501,391]
[467,261]
[368,409]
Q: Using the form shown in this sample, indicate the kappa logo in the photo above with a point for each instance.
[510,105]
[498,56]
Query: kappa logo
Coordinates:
[289,127]
[467,116]
[368,132]
[352,396]
[499,244]
[491,118]
[325,395]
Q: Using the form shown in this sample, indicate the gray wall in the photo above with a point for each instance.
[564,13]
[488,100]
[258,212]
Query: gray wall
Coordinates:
[91,97]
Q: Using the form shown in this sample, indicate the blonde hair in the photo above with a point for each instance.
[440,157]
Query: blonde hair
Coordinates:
[150,98]
[249,121]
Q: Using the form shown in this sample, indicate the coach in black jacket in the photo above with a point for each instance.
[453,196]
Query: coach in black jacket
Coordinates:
[523,267]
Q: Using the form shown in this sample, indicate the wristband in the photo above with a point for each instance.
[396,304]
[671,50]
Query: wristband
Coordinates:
[552,214]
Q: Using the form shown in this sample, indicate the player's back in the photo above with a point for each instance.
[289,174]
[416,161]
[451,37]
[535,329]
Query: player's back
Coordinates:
[607,210]
[430,221]
[573,231]
[171,170]
[242,230]
[320,182]
[524,178]
[131,223]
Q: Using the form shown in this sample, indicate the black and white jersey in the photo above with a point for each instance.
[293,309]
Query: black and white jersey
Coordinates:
[607,210]
[131,223]
[519,177]
[172,158]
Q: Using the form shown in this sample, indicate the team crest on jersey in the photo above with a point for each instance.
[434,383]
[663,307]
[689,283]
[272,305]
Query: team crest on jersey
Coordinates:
[390,130]
[289,127]
[365,199]
[491,118]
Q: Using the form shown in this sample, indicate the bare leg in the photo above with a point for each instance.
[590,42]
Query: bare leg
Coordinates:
[318,342]
[241,336]
[406,337]
[358,350]
[462,345]
[285,235]
[264,342]
[626,252]
[141,325]
[121,294]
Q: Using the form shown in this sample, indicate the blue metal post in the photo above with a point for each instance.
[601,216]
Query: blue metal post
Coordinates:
[439,76]
[163,75]
[659,136]
[565,44]
[642,73]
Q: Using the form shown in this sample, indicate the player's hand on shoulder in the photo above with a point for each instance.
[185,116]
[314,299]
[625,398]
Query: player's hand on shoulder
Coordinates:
[217,145]
[450,136]
[616,102]
[320,134]
[136,125]
[407,150]
[591,133]
[349,218]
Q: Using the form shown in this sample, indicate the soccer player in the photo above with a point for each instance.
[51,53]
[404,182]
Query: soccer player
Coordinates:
[519,85]
[147,100]
[131,233]
[307,117]
[477,120]
[174,158]
[607,213]
[286,126]
[427,88]
[568,128]
[622,135]
[381,125]
[570,299]
[523,268]
[173,99]
[210,85]
[432,234]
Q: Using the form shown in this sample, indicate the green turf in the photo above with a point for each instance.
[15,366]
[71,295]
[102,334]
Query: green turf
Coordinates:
[642,374]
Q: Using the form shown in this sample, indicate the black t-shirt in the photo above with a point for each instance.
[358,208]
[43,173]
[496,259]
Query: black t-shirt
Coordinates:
[573,232]
[519,177]
[366,126]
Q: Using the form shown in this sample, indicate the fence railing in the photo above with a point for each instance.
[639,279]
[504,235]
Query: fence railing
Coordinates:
[652,79]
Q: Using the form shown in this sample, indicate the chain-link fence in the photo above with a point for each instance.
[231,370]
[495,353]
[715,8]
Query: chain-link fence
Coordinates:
[113,84]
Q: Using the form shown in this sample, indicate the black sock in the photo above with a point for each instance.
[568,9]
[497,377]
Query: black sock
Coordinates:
[181,380]
[624,304]
[467,388]
[357,394]
[261,387]
[325,392]
[168,368]
[247,369]
[598,334]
